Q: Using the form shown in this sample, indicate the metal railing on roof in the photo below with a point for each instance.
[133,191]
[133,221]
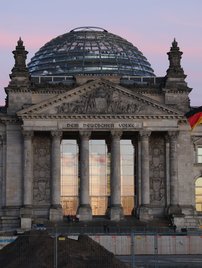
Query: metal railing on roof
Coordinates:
[142,80]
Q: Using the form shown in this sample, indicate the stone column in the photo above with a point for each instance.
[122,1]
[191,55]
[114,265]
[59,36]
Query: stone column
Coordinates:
[108,144]
[84,210]
[116,210]
[26,210]
[145,210]
[174,207]
[28,170]
[3,169]
[136,184]
[55,210]
[167,166]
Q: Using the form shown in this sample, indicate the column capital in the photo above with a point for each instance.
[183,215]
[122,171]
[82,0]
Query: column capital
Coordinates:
[167,138]
[144,134]
[28,134]
[173,135]
[85,134]
[116,134]
[56,133]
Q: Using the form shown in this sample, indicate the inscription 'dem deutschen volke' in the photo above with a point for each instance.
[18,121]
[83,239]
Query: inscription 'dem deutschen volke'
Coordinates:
[120,125]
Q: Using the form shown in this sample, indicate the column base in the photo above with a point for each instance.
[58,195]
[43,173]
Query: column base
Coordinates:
[174,210]
[85,213]
[116,213]
[55,214]
[178,221]
[188,210]
[145,213]
[26,214]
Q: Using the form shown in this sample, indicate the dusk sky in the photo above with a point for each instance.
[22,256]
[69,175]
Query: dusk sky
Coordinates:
[150,25]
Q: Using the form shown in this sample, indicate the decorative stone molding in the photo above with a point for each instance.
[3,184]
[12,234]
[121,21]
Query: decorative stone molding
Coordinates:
[28,134]
[144,134]
[116,134]
[173,135]
[85,134]
[56,133]
[80,116]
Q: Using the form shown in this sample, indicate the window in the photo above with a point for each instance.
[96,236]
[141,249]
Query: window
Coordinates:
[99,176]
[69,177]
[127,176]
[198,194]
[199,154]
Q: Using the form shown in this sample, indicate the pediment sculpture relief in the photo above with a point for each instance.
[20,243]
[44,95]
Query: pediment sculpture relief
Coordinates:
[101,101]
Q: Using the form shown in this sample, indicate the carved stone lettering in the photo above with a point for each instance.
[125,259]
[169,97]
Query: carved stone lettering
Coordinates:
[41,191]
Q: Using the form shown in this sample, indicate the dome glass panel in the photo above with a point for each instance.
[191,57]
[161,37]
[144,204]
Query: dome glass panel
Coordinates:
[89,50]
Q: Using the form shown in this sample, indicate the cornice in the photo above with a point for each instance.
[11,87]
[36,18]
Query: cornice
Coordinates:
[50,91]
[101,116]
[10,119]
[19,90]
[176,90]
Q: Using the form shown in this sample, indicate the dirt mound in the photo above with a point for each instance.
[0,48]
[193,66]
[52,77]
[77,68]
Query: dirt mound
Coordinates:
[36,249]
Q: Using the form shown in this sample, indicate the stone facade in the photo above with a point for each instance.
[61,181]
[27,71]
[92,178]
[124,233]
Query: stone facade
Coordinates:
[37,116]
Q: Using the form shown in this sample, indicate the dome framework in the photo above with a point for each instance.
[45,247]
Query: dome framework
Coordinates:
[89,50]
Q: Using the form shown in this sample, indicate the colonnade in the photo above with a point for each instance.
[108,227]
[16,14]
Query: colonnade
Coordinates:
[84,209]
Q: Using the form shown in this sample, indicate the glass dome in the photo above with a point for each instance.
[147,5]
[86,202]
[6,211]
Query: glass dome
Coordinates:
[89,50]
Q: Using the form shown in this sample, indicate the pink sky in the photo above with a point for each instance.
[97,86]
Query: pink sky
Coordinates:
[150,25]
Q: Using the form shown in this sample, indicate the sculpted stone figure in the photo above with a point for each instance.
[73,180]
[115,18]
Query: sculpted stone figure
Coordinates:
[101,101]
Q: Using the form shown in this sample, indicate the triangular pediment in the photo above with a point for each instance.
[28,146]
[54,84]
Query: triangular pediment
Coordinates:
[99,97]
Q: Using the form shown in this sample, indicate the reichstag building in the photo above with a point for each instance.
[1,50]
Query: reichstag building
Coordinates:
[88,129]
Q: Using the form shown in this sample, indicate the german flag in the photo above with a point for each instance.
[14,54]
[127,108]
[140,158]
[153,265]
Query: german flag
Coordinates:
[194,116]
